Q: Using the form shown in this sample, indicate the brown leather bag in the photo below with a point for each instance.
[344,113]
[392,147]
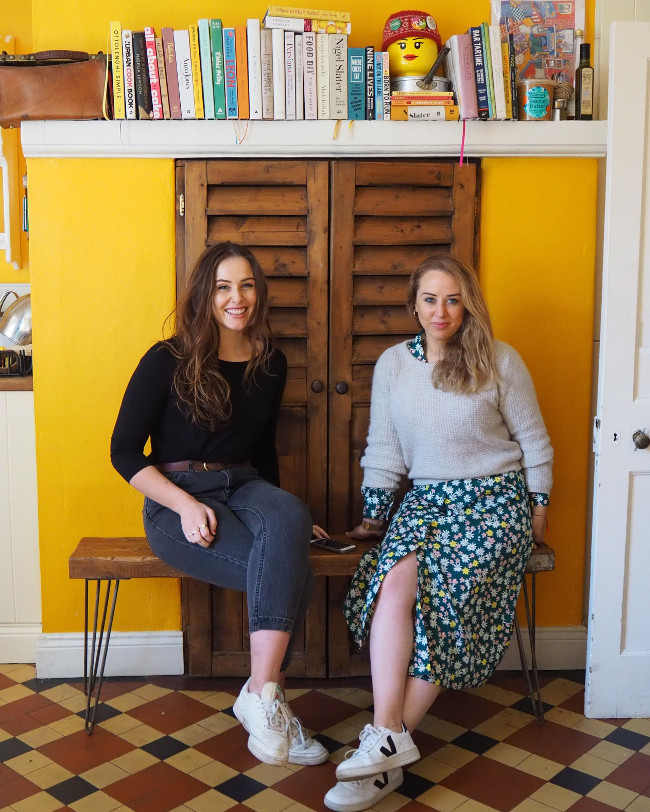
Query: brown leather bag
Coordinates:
[53,85]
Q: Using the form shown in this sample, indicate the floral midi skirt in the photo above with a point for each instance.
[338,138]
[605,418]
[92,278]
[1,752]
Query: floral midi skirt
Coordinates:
[472,539]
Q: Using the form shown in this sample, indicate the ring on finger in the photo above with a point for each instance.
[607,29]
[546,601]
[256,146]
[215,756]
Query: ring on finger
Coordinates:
[201,526]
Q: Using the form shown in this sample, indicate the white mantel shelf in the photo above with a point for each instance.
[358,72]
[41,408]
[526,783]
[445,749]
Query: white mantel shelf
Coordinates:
[268,139]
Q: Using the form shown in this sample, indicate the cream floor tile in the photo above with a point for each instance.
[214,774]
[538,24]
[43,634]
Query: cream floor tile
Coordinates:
[639,804]
[68,725]
[540,767]
[474,806]
[142,734]
[343,732]
[97,802]
[299,808]
[120,724]
[442,799]
[135,761]
[194,734]
[291,694]
[19,672]
[74,703]
[560,689]
[562,716]
[512,718]
[595,727]
[3,733]
[556,797]
[645,750]
[218,722]
[507,754]
[188,760]
[150,692]
[495,729]
[355,696]
[360,720]
[211,801]
[41,802]
[528,805]
[496,694]
[269,801]
[441,729]
[28,762]
[641,726]
[214,773]
[219,700]
[39,736]
[391,803]
[268,774]
[15,692]
[612,795]
[126,702]
[592,765]
[431,769]
[59,693]
[49,775]
[104,775]
[611,752]
[453,755]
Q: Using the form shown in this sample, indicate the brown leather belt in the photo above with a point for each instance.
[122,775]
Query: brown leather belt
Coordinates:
[193,466]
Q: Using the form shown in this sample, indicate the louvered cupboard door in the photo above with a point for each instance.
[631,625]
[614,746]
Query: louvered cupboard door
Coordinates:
[278,209]
[386,218]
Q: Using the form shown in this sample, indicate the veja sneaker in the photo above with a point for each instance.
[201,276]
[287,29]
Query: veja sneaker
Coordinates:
[302,748]
[380,749]
[353,796]
[264,719]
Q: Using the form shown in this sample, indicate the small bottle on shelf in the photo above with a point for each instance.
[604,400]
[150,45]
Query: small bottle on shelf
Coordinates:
[584,88]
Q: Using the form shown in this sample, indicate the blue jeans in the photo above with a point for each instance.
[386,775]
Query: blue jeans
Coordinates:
[261,546]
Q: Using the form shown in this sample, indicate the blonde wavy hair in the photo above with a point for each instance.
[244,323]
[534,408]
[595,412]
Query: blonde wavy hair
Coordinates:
[468,364]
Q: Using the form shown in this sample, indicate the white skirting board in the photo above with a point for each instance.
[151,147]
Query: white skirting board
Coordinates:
[134,654]
[19,642]
[130,654]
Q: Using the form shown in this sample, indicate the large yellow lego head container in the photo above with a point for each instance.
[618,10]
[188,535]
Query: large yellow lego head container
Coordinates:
[412,41]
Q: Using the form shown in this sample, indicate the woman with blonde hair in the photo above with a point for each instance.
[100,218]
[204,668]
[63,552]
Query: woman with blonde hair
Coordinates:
[209,398]
[455,411]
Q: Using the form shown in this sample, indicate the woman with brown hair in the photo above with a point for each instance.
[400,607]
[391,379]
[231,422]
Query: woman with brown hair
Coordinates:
[208,398]
[455,411]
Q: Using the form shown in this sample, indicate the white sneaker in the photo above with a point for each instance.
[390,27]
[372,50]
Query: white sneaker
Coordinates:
[353,796]
[302,748]
[264,719]
[380,749]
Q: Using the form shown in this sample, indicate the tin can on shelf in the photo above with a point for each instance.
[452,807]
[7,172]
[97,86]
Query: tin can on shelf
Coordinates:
[535,99]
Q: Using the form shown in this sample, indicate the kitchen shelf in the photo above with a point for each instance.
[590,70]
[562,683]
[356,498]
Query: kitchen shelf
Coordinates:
[250,139]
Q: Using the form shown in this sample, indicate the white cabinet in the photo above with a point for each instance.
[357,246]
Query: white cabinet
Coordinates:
[20,583]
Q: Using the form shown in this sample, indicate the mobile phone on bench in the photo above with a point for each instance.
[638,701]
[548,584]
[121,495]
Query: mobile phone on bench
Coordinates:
[334,545]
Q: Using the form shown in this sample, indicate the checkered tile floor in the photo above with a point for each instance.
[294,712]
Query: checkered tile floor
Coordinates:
[172,743]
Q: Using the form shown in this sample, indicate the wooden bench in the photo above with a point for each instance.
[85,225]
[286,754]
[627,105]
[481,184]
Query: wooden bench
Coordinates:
[109,560]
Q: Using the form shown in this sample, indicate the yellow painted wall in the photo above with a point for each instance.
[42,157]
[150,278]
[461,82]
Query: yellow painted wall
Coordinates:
[102,272]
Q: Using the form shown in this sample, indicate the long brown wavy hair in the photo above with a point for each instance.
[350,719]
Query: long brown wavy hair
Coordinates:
[198,384]
[468,364]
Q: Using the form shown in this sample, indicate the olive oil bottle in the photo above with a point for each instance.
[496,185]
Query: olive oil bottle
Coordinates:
[584,89]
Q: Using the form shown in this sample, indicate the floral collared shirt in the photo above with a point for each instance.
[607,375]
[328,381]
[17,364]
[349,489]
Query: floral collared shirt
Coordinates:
[377,502]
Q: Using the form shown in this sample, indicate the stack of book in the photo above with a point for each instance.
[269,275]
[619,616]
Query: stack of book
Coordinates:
[423,105]
[482,68]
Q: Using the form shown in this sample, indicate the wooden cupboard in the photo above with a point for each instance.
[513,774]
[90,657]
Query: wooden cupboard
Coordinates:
[337,240]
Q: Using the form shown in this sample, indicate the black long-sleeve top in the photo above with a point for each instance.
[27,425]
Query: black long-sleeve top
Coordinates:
[150,410]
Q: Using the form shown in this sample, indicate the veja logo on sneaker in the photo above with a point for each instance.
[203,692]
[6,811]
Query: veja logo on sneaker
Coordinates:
[391,744]
[380,783]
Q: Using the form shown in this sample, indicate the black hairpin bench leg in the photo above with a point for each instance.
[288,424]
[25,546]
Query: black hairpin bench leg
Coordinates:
[534,690]
[95,661]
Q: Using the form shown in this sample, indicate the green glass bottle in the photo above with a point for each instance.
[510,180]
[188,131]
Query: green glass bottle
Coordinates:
[584,89]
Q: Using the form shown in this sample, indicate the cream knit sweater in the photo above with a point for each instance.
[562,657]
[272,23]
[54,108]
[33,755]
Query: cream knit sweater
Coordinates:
[434,436]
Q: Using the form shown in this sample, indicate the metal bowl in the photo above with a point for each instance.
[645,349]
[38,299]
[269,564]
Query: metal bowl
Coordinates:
[415,83]
[16,324]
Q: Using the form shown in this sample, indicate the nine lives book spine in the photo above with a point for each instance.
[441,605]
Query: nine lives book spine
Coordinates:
[279,92]
[129,76]
[195,56]
[300,79]
[266,48]
[479,73]
[370,82]
[290,75]
[253,43]
[230,71]
[141,72]
[323,76]
[312,13]
[162,74]
[356,84]
[169,50]
[507,89]
[119,109]
[154,78]
[338,45]
[184,72]
[513,76]
[207,80]
[487,60]
[496,59]
[241,56]
[309,75]
[219,82]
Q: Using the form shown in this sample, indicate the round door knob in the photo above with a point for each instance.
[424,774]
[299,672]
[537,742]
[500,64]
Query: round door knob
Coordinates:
[342,387]
[317,386]
[640,439]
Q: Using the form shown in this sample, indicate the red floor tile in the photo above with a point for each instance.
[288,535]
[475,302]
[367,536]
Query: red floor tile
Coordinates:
[589,805]
[492,783]
[466,710]
[80,752]
[156,788]
[323,713]
[17,789]
[556,742]
[171,712]
[21,723]
[634,774]
[309,786]
[50,713]
[230,748]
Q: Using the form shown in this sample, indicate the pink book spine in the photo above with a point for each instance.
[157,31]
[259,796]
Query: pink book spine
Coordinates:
[467,77]
[172,76]
[154,78]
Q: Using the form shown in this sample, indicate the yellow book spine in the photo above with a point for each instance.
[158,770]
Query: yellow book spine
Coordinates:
[308,13]
[195,56]
[440,112]
[119,107]
[505,53]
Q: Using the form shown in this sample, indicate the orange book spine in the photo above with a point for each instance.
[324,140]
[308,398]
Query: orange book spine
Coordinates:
[241,51]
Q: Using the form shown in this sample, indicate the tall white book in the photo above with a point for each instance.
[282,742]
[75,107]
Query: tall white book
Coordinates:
[266,48]
[290,75]
[309,74]
[184,71]
[323,75]
[279,102]
[300,83]
[338,44]
[494,32]
[129,76]
[253,41]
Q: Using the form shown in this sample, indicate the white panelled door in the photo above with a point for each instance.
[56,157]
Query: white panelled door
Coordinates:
[618,654]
